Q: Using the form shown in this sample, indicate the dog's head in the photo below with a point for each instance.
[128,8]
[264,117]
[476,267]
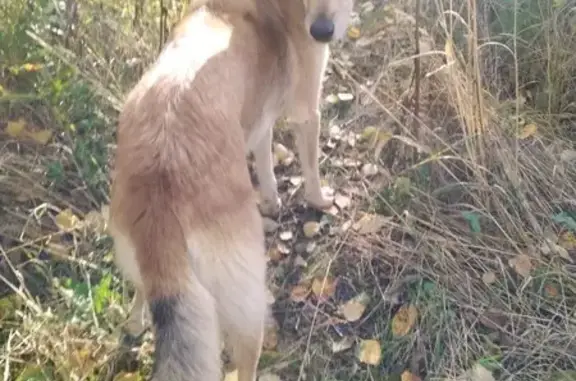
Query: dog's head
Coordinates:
[327,20]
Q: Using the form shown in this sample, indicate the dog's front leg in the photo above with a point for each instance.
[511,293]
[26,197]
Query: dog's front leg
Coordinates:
[306,127]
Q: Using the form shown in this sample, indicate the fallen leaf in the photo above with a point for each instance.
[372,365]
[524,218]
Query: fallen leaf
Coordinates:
[286,235]
[568,155]
[299,293]
[521,264]
[299,261]
[296,180]
[549,247]
[66,220]
[342,345]
[127,376]
[404,320]
[269,377]
[369,133]
[95,221]
[32,67]
[479,373]
[274,254]
[370,223]
[19,129]
[332,99]
[409,376]
[527,131]
[310,229]
[283,155]
[41,136]
[353,33]
[16,128]
[369,169]
[567,240]
[335,132]
[341,201]
[354,308]
[324,288]
[402,185]
[370,352]
[33,372]
[231,376]
[345,97]
[489,278]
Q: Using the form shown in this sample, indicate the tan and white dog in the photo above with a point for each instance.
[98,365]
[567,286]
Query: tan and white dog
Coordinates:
[184,218]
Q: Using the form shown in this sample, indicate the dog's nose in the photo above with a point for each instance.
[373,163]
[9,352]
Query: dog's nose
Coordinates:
[322,29]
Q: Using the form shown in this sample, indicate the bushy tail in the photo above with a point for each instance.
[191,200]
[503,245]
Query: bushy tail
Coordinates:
[183,311]
[187,336]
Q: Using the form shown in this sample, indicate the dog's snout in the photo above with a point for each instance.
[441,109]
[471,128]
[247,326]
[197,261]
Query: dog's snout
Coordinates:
[322,29]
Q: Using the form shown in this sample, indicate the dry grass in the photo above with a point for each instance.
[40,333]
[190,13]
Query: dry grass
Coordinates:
[478,233]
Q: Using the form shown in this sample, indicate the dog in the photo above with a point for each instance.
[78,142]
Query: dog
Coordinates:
[183,214]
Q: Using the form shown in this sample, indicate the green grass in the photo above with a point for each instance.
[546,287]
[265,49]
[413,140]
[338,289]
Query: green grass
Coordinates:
[465,198]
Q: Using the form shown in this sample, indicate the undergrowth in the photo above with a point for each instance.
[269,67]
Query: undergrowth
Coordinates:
[448,138]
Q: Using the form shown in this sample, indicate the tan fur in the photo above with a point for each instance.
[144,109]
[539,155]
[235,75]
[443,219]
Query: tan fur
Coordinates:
[187,230]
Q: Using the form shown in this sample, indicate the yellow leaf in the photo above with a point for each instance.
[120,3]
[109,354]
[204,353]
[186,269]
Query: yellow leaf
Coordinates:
[42,136]
[299,293]
[567,241]
[95,220]
[369,133]
[522,264]
[409,376]
[353,309]
[332,99]
[370,223]
[370,352]
[489,278]
[127,376]
[66,220]
[275,254]
[311,228]
[16,128]
[527,131]
[353,33]
[404,320]
[324,288]
[231,376]
[283,155]
[29,67]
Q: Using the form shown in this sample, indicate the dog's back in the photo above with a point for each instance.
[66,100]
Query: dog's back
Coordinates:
[183,215]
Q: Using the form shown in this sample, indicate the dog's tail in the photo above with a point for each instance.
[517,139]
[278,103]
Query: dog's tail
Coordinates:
[183,311]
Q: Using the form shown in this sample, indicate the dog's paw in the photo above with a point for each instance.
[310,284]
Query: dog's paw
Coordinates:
[270,208]
[319,200]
